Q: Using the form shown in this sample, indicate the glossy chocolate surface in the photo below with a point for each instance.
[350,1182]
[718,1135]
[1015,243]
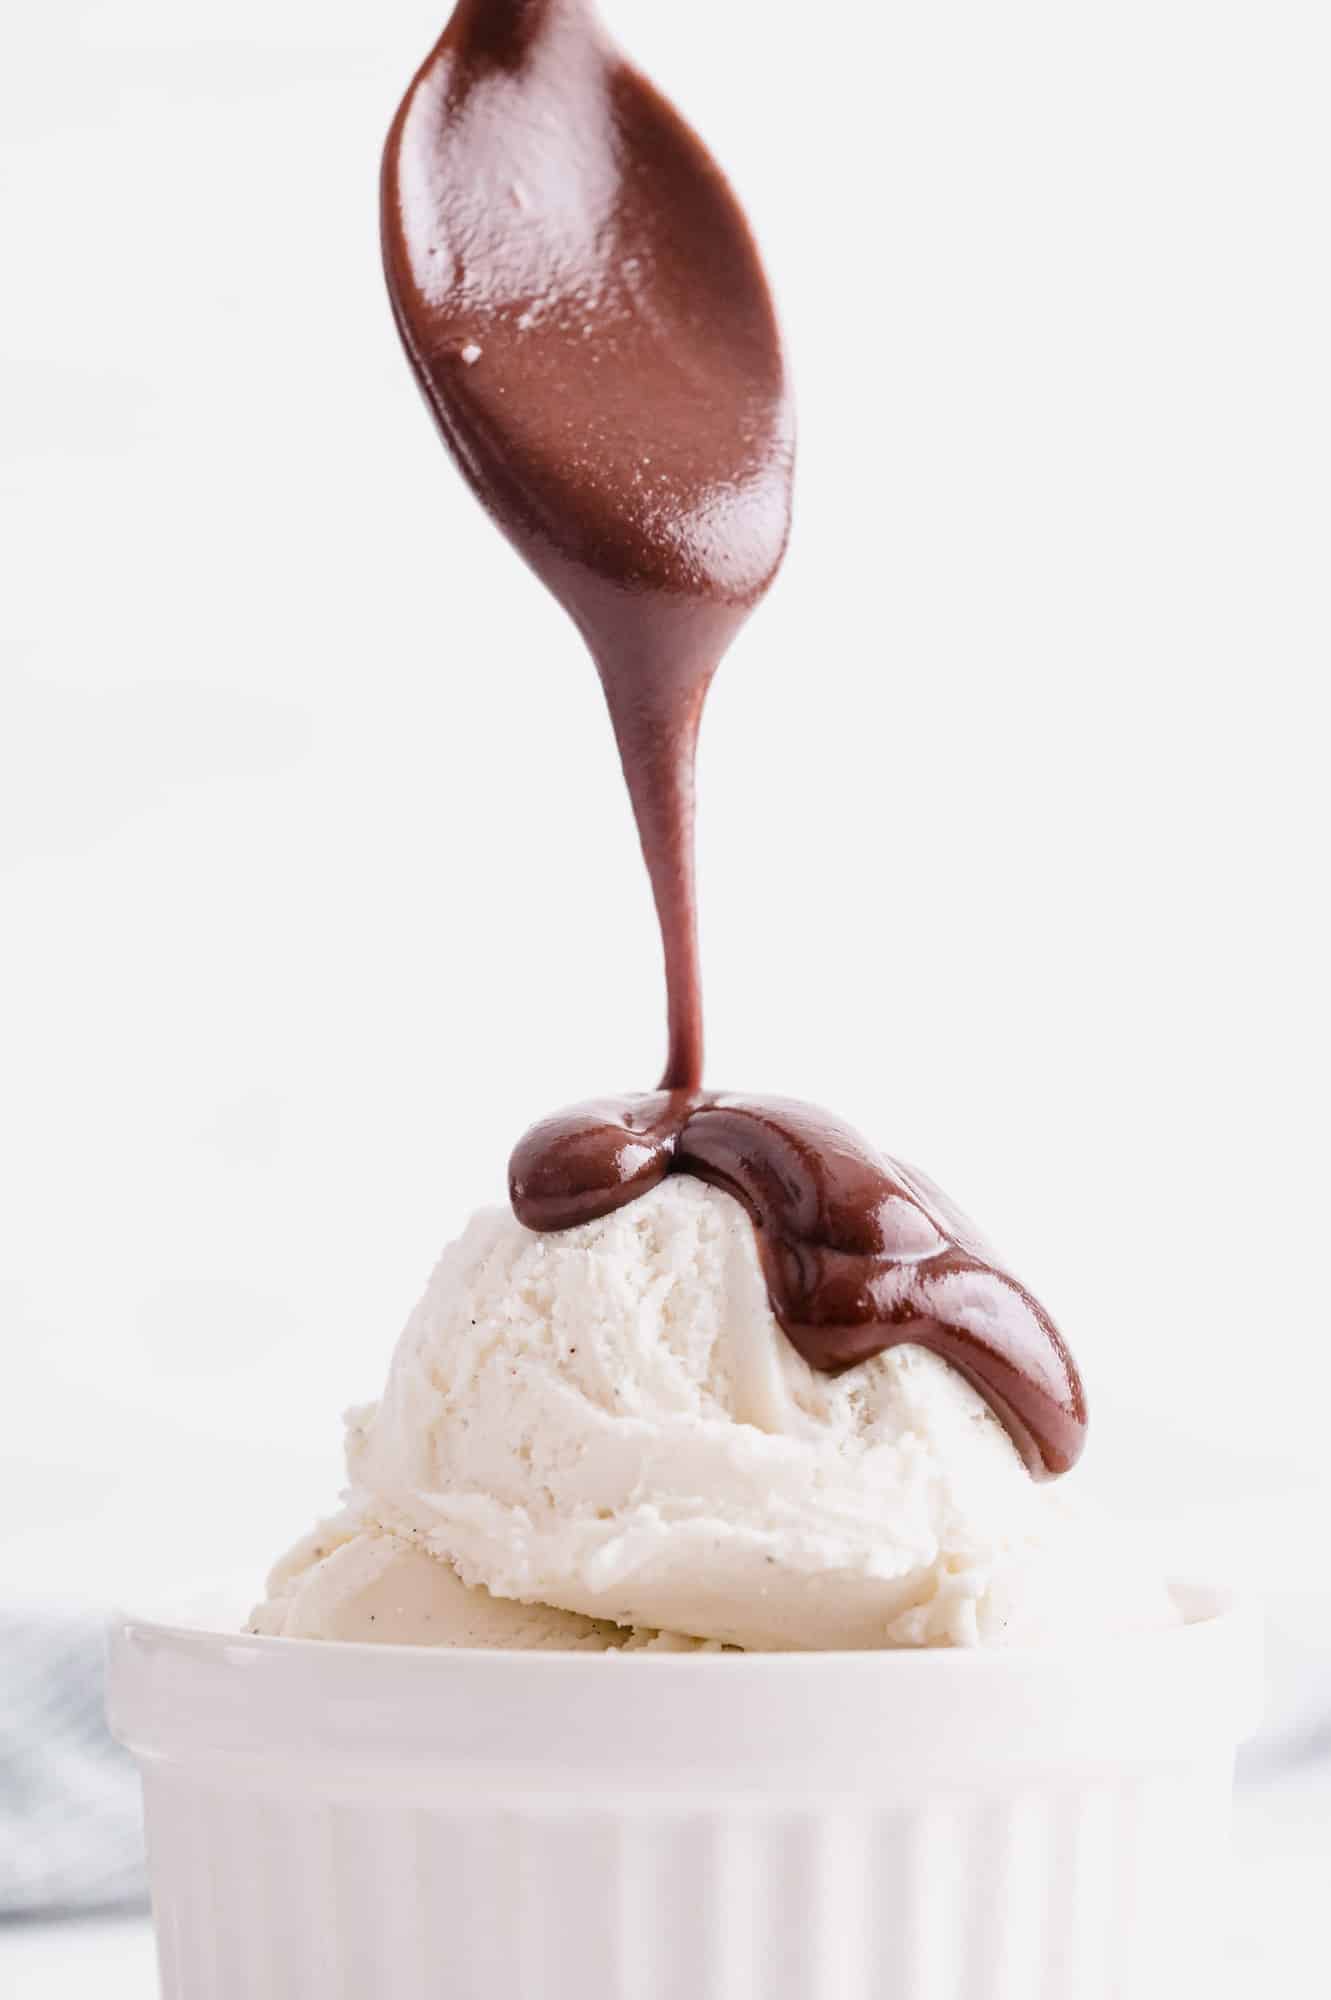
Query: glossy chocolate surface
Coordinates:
[860,1252]
[582,302]
[584,307]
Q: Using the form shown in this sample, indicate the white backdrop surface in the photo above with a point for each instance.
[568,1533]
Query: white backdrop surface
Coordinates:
[316,873]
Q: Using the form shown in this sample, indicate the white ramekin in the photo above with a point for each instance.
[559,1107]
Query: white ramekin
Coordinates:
[340,1822]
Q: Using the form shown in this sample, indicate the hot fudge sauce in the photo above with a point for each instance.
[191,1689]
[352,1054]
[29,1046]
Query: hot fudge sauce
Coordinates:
[585,310]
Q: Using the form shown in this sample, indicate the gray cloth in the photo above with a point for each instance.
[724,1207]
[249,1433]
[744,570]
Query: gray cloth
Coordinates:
[71,1821]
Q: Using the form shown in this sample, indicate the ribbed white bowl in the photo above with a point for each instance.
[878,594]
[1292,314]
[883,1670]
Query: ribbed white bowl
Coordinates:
[366,1823]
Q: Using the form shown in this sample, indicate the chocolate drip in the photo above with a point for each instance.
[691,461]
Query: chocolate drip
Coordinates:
[582,302]
[860,1253]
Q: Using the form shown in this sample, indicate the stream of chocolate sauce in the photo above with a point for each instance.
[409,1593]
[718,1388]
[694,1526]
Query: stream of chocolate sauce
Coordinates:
[585,310]
[582,301]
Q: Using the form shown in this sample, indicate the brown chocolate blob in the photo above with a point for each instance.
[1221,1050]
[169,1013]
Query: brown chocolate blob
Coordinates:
[860,1253]
[582,302]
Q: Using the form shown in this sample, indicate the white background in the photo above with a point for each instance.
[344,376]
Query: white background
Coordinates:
[318,879]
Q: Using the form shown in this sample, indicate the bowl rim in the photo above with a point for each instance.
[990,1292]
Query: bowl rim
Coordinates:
[238,1708]
[1205,1608]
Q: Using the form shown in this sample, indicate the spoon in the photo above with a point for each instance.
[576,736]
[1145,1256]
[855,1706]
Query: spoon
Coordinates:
[585,310]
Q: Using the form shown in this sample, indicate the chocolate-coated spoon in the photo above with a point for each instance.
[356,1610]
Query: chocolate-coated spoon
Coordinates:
[585,309]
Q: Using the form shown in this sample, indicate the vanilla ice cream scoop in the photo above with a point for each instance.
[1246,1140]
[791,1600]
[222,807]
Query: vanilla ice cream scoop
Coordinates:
[351,1580]
[608,1421]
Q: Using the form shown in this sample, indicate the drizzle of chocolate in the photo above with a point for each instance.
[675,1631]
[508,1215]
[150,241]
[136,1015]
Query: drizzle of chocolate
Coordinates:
[581,300]
[579,294]
[859,1252]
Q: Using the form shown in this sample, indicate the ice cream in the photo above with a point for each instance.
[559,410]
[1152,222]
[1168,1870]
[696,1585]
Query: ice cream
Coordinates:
[352,1580]
[598,1435]
[723,1373]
